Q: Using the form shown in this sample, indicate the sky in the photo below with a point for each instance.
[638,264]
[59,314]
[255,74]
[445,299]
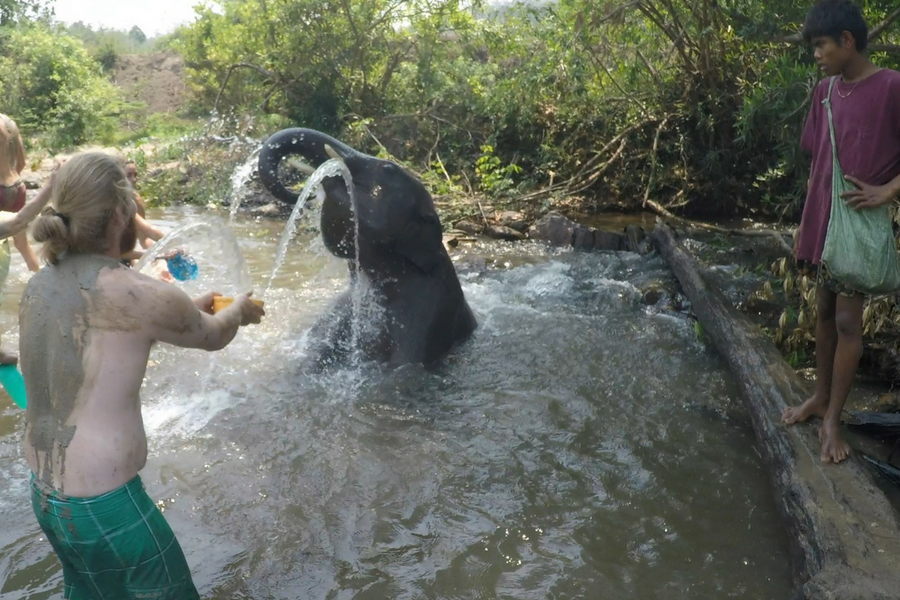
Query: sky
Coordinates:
[154,17]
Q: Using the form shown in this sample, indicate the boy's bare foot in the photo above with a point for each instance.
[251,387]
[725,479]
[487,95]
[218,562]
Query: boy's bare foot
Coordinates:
[834,448]
[813,407]
[7,358]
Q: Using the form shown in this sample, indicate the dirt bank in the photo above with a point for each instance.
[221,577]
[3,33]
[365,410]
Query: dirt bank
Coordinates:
[155,79]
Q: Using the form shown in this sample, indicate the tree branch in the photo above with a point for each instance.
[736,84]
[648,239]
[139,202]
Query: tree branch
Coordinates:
[879,29]
[231,69]
[884,47]
[796,38]
[653,161]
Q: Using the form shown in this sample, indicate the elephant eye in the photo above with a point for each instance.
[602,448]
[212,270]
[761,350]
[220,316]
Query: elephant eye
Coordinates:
[376,192]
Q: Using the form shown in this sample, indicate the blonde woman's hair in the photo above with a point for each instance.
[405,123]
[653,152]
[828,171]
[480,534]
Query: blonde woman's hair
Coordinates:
[87,189]
[13,140]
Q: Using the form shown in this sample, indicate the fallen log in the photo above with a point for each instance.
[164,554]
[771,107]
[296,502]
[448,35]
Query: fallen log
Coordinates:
[875,423]
[885,468]
[843,532]
[777,236]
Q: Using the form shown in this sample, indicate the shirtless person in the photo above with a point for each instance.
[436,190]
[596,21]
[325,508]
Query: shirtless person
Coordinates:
[146,233]
[12,199]
[87,326]
[142,232]
[12,191]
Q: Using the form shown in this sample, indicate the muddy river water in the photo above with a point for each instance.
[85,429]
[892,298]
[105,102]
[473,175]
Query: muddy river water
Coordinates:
[580,445]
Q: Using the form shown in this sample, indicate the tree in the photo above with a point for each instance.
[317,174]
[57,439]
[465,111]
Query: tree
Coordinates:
[52,86]
[12,11]
[252,55]
[690,105]
[137,35]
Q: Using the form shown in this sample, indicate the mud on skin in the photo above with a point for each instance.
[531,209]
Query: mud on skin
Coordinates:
[55,304]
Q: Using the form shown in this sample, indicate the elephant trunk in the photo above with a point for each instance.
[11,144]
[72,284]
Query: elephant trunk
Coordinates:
[308,144]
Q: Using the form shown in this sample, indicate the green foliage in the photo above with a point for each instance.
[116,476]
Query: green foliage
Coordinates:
[107,57]
[697,329]
[137,35]
[696,104]
[493,177]
[16,11]
[315,61]
[202,177]
[53,88]
[552,89]
[98,41]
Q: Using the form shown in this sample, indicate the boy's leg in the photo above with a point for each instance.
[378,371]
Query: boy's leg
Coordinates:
[6,358]
[826,343]
[848,319]
[136,553]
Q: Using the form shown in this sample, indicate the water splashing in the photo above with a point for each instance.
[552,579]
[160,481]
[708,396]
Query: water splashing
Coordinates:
[221,262]
[358,290]
[329,168]
[239,179]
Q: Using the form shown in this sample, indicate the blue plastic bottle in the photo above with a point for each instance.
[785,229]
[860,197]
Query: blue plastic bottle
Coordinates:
[182,268]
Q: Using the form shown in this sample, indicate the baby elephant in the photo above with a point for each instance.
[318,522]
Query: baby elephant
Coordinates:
[414,307]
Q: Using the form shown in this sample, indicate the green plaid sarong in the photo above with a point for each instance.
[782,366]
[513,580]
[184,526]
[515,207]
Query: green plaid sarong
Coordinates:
[114,546]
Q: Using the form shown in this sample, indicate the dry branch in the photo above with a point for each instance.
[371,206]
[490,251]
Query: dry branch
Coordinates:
[231,69]
[778,236]
[653,159]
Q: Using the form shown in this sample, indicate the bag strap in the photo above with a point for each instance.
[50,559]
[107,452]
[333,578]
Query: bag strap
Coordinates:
[827,103]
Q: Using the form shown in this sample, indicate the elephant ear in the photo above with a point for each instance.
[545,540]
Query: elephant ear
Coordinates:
[421,242]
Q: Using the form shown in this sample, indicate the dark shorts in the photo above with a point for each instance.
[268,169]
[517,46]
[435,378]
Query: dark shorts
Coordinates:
[824,279]
[116,546]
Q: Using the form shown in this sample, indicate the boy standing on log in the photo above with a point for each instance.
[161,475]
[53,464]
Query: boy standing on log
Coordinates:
[865,104]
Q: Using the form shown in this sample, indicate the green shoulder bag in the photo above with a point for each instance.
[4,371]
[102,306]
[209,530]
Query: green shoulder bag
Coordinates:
[859,244]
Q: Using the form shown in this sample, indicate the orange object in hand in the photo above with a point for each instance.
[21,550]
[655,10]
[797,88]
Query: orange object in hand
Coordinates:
[220,302]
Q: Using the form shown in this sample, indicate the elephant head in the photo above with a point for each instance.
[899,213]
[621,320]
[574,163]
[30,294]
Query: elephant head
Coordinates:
[398,226]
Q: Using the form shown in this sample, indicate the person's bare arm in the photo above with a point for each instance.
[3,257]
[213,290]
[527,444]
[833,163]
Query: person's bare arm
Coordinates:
[146,232]
[20,220]
[20,154]
[20,240]
[133,255]
[174,318]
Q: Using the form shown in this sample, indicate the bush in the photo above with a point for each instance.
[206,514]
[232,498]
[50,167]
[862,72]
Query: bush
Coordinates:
[695,104]
[107,56]
[54,89]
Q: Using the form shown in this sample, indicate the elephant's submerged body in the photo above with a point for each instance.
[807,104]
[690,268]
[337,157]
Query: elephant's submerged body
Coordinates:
[414,310]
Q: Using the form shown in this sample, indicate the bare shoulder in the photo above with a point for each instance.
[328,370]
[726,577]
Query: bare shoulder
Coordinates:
[135,302]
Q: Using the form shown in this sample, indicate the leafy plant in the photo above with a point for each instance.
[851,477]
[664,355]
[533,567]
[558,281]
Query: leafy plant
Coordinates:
[54,89]
[494,177]
[108,57]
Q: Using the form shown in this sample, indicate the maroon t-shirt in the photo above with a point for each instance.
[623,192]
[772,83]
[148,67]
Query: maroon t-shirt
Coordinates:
[867,135]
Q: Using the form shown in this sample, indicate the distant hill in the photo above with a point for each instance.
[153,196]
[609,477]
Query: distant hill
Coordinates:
[155,78]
